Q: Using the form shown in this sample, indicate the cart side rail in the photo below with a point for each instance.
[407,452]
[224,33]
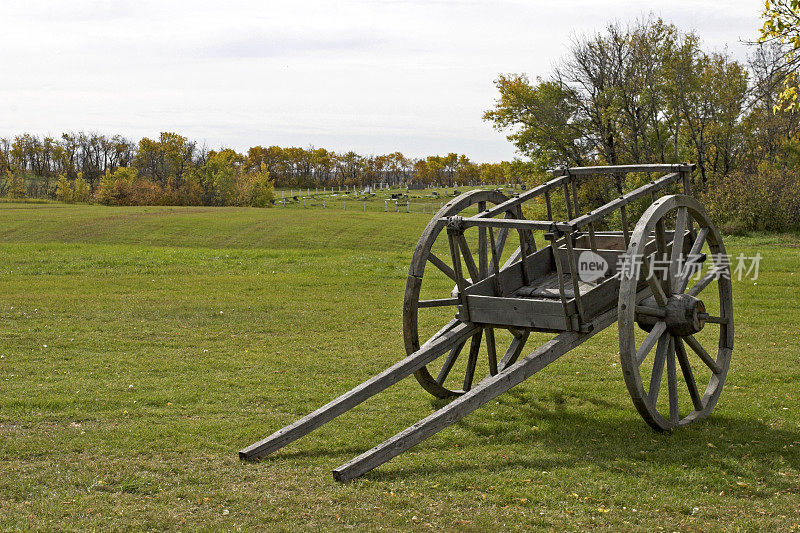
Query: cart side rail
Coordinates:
[563,234]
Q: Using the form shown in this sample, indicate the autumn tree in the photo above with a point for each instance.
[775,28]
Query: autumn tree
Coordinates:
[782,26]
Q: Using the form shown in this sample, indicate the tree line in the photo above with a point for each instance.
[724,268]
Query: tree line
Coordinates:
[648,92]
[175,170]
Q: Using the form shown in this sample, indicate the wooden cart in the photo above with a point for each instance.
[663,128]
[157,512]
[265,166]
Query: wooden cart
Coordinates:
[649,279]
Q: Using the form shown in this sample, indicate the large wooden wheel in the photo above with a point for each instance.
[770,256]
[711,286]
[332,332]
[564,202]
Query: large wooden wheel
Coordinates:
[681,312]
[432,275]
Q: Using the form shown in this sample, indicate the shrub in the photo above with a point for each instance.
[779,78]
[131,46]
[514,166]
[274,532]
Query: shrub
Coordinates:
[765,200]
[80,189]
[63,189]
[16,185]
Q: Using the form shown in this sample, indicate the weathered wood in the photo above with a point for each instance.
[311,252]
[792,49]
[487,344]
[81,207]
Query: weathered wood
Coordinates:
[650,341]
[625,199]
[704,282]
[483,252]
[441,265]
[615,169]
[656,312]
[701,352]
[573,268]
[369,388]
[676,257]
[491,350]
[513,223]
[524,197]
[514,350]
[688,376]
[672,383]
[455,351]
[441,302]
[658,368]
[472,360]
[469,261]
[483,392]
[521,312]
[629,305]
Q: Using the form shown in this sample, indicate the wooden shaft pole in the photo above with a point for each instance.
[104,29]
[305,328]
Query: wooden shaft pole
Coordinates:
[427,353]
[483,392]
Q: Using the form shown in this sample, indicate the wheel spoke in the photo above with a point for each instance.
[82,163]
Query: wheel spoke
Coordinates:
[652,280]
[502,236]
[688,376]
[646,310]
[698,287]
[468,260]
[672,383]
[714,319]
[474,348]
[702,353]
[441,302]
[483,252]
[650,341]
[676,260]
[514,331]
[661,246]
[658,369]
[491,349]
[514,350]
[448,363]
[691,260]
[441,265]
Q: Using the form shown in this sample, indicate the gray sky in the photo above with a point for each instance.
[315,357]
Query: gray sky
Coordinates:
[371,76]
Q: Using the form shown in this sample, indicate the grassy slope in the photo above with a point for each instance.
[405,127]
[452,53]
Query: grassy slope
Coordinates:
[142,347]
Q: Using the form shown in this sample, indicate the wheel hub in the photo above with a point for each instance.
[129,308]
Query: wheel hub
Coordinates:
[683,314]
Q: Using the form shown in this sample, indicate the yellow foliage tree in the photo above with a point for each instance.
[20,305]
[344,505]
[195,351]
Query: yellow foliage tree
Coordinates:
[16,185]
[63,189]
[80,189]
[782,25]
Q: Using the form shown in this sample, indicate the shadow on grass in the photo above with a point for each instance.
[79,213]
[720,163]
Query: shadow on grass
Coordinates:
[584,436]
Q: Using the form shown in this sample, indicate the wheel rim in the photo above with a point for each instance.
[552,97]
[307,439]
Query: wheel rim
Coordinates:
[674,320]
[488,348]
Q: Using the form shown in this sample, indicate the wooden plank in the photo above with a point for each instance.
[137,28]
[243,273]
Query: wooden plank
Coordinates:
[611,169]
[537,306]
[624,200]
[573,265]
[483,392]
[518,224]
[524,197]
[427,353]
[455,257]
[539,264]
[483,252]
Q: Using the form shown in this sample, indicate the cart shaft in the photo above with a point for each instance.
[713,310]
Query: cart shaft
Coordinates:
[482,393]
[444,341]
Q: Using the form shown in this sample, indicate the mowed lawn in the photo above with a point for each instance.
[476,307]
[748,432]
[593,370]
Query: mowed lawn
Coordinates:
[141,348]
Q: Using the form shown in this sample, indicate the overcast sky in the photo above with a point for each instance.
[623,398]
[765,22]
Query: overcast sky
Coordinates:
[371,76]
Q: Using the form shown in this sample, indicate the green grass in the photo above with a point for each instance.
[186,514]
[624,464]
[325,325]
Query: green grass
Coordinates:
[143,347]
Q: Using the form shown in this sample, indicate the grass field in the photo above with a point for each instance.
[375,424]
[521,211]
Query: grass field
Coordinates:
[141,348]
